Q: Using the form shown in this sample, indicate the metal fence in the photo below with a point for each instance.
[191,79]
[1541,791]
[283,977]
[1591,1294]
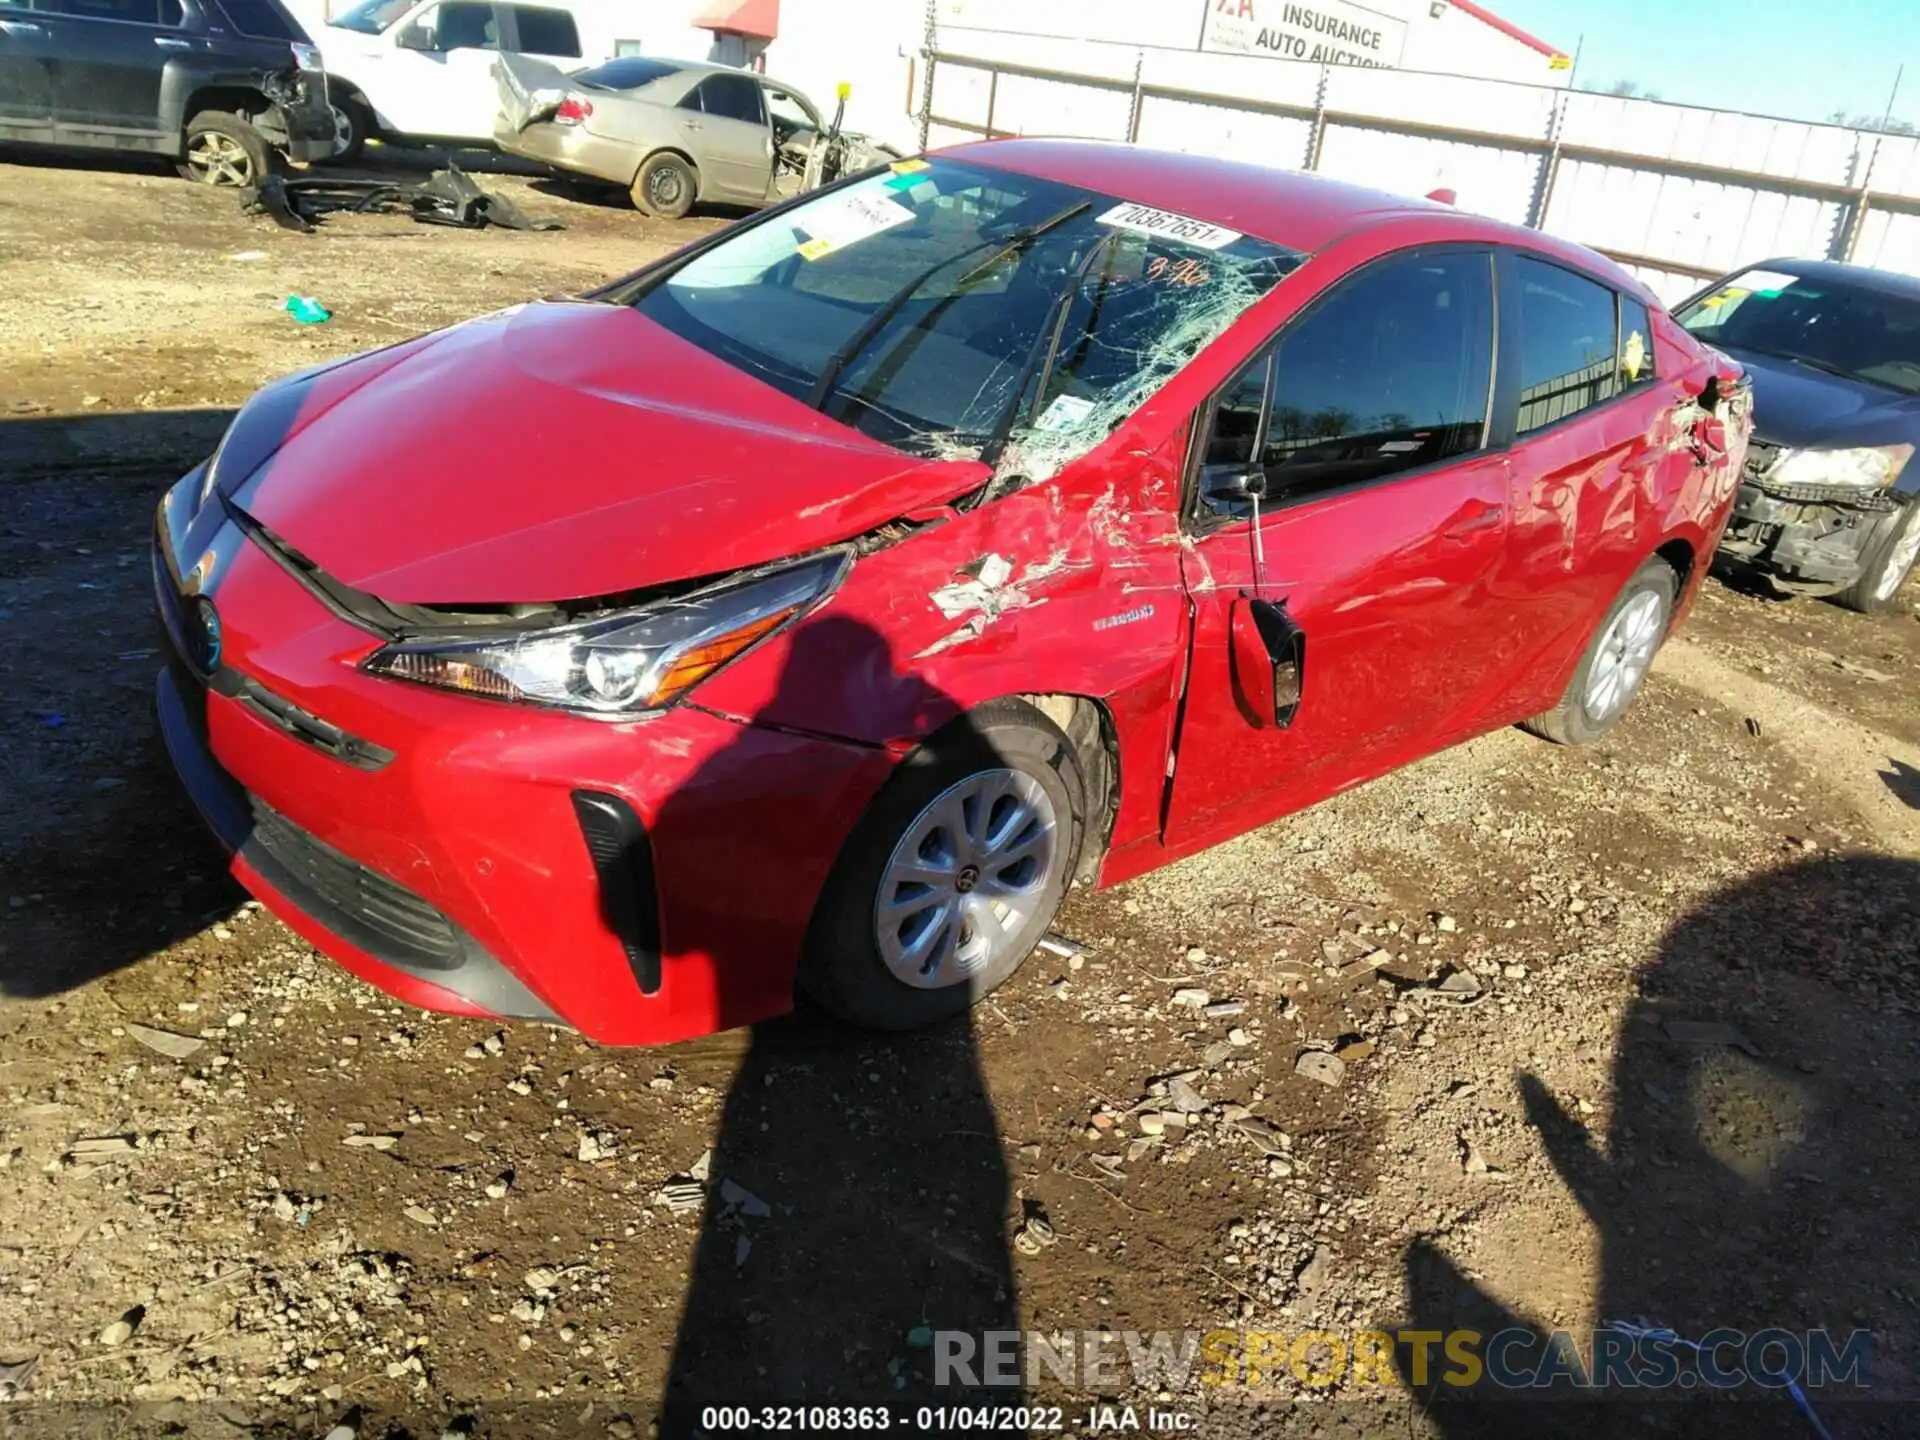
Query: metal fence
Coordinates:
[1675,193]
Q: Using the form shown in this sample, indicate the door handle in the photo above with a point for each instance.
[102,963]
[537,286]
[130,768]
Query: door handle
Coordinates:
[689,124]
[168,42]
[22,27]
[1476,517]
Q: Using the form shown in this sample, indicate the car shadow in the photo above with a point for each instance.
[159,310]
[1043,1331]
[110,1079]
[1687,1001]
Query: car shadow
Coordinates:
[1754,1176]
[608,196]
[858,1192]
[105,860]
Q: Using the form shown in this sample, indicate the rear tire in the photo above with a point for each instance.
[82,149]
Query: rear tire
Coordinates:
[666,187]
[1891,553]
[1610,674]
[223,149]
[1005,770]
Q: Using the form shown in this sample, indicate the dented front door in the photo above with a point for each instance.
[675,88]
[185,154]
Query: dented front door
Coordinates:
[1353,478]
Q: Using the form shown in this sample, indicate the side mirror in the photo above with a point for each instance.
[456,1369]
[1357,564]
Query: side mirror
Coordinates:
[414,37]
[1233,484]
[1269,660]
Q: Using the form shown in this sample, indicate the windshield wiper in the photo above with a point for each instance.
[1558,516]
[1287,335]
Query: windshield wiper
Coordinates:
[1010,244]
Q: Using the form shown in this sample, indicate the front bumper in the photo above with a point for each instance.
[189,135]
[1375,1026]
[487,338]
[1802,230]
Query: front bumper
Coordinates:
[1807,545]
[467,861]
[301,122]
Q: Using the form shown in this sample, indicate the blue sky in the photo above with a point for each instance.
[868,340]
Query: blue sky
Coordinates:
[1774,57]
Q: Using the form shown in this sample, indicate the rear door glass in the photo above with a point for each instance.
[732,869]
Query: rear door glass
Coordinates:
[1567,344]
[546,32]
[260,20]
[731,97]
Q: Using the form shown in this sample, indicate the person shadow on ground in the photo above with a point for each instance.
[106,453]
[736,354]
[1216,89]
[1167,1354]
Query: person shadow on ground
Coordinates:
[857,1192]
[1757,1173]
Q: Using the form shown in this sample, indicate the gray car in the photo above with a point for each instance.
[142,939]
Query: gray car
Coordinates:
[673,132]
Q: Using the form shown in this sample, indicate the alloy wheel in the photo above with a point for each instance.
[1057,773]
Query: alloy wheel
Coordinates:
[217,159]
[1626,650]
[965,879]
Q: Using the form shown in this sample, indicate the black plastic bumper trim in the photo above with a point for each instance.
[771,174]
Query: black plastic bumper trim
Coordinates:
[469,971]
[623,860]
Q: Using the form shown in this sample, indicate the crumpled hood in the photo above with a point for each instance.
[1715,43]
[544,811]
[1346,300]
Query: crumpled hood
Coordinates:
[558,451]
[1806,408]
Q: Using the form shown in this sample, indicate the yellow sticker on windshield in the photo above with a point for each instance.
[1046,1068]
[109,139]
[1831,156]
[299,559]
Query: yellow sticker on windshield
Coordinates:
[814,249]
[909,167]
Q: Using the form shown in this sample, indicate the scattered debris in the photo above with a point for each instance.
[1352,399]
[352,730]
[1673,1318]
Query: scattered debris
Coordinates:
[1354,1052]
[306,310]
[1268,1137]
[447,197]
[1193,998]
[1059,945]
[1320,1066]
[1225,1009]
[596,1146]
[166,1042]
[1313,1274]
[14,1375]
[102,1147]
[121,1330]
[420,1215]
[738,1197]
[1035,1235]
[1186,1099]
[372,1142]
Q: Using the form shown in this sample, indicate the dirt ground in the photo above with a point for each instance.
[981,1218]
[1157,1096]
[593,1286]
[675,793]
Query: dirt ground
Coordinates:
[337,1212]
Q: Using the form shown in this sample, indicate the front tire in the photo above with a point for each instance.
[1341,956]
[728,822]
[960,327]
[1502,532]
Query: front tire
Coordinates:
[1891,553]
[952,876]
[223,149]
[666,187]
[352,126]
[1615,665]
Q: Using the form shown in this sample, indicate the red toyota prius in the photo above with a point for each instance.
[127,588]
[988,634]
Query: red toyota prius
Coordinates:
[811,609]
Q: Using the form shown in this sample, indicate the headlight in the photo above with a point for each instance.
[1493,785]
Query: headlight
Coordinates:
[1866,468]
[307,57]
[622,665]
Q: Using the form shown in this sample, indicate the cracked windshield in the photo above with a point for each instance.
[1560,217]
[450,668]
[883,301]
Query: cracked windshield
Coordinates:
[965,312]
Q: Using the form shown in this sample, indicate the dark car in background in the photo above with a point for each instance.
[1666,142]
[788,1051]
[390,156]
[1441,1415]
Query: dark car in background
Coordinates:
[1830,500]
[217,86]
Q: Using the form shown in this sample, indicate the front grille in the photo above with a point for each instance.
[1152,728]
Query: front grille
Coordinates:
[388,921]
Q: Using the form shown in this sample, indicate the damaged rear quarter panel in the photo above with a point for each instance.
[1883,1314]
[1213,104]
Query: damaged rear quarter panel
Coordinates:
[1071,586]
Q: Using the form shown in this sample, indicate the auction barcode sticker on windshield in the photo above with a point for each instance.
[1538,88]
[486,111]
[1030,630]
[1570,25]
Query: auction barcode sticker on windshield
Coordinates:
[1145,220]
[846,218]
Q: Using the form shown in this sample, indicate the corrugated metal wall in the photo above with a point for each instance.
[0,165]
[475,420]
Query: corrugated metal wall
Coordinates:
[1675,192]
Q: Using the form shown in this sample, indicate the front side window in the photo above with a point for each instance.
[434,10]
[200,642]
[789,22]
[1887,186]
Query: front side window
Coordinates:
[463,25]
[1568,359]
[731,97]
[956,310]
[546,32]
[1839,327]
[137,12]
[1390,371]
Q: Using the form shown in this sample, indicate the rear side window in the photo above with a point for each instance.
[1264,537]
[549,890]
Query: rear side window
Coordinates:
[261,20]
[546,32]
[629,73]
[732,97]
[133,12]
[1568,355]
[1636,344]
[1390,371]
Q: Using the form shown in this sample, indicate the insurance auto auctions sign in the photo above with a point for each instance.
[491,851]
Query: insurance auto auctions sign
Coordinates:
[1325,32]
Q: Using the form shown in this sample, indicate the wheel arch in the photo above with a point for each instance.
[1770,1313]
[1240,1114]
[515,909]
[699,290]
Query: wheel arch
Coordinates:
[680,154]
[1088,724]
[242,100]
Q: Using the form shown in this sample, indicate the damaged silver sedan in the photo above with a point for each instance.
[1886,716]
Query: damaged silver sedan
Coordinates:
[674,133]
